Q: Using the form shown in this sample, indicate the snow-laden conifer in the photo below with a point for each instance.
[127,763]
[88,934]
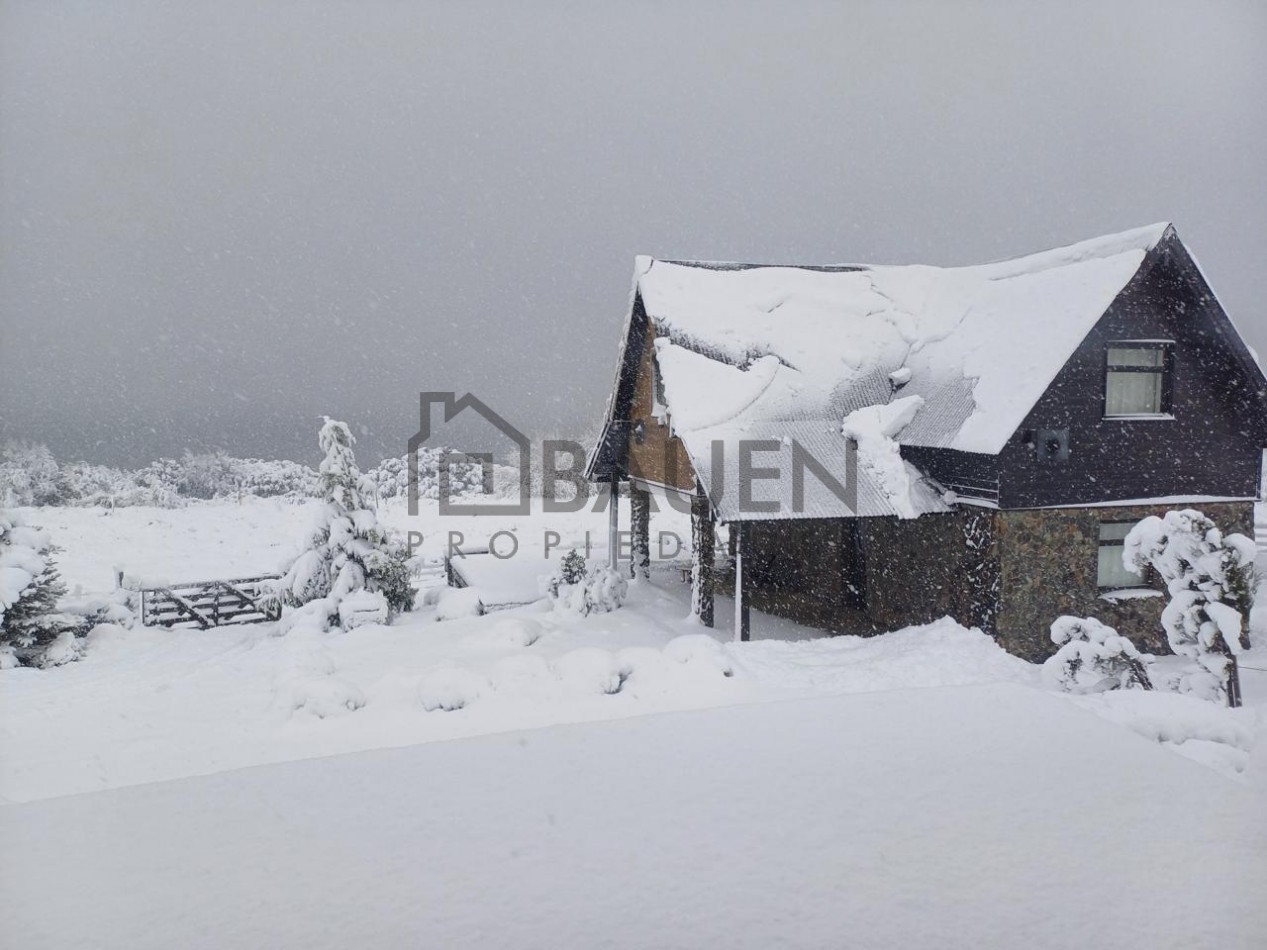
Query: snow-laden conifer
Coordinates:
[348,549]
[1211,579]
[30,587]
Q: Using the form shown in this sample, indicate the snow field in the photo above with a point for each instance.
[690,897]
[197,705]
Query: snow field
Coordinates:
[960,817]
[146,705]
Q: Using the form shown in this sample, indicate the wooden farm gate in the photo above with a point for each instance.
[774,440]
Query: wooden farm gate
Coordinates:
[206,604]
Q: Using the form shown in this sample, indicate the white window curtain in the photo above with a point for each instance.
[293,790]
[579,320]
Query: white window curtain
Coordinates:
[1110,572]
[1131,394]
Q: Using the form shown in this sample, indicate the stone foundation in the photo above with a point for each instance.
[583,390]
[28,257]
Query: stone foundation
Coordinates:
[1009,573]
[1048,569]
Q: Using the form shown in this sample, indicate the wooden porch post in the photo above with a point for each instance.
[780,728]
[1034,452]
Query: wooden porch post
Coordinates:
[613,524]
[640,526]
[702,560]
[739,535]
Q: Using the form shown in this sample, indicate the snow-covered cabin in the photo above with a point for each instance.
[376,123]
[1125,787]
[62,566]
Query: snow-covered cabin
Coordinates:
[889,444]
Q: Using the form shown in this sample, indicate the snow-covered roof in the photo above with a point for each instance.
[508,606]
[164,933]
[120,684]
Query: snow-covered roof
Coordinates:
[979,343]
[754,351]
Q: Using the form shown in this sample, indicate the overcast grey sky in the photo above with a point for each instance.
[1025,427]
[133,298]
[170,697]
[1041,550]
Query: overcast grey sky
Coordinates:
[220,220]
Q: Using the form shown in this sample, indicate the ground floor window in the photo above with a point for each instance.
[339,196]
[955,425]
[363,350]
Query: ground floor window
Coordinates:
[1109,570]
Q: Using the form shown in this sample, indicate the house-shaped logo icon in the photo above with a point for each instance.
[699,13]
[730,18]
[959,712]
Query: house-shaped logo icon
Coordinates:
[507,434]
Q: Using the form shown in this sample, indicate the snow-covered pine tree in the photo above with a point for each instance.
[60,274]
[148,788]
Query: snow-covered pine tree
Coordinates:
[571,570]
[348,550]
[1211,580]
[1094,658]
[30,587]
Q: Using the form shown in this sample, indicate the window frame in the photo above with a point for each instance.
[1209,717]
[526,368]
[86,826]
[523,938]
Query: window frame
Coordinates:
[1166,370]
[1141,581]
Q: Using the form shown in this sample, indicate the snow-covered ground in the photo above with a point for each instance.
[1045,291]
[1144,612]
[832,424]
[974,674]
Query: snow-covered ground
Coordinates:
[918,789]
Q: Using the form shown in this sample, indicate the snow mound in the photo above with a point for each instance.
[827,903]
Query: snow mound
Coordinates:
[518,631]
[319,694]
[699,649]
[451,687]
[941,653]
[591,670]
[361,607]
[65,648]
[1207,732]
[524,676]
[454,603]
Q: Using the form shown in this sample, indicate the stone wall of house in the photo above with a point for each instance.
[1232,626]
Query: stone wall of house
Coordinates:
[1008,573]
[1048,563]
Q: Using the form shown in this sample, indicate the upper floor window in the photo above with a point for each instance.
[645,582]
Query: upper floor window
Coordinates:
[1137,378]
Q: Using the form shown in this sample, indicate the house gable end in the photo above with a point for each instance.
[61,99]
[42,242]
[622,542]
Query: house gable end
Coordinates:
[1208,438]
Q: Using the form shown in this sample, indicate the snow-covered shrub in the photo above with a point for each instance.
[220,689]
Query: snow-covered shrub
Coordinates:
[390,477]
[65,648]
[30,586]
[451,687]
[571,570]
[319,694]
[112,608]
[1094,658]
[517,631]
[454,603]
[525,676]
[348,550]
[575,589]
[700,649]
[206,475]
[275,478]
[361,607]
[591,670]
[1211,580]
[29,475]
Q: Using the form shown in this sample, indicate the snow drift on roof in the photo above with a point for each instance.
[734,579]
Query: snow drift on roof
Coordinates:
[980,344]
[789,353]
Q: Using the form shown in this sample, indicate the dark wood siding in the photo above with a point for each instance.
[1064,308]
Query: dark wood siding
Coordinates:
[1213,444]
[966,473]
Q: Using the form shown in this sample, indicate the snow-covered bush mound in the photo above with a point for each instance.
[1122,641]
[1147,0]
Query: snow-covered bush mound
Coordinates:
[454,603]
[517,631]
[451,687]
[524,676]
[319,694]
[391,477]
[112,608]
[701,650]
[361,607]
[65,648]
[591,670]
[1094,658]
[578,589]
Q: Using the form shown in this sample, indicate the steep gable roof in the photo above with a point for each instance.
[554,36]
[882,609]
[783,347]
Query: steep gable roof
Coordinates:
[979,344]
[939,357]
